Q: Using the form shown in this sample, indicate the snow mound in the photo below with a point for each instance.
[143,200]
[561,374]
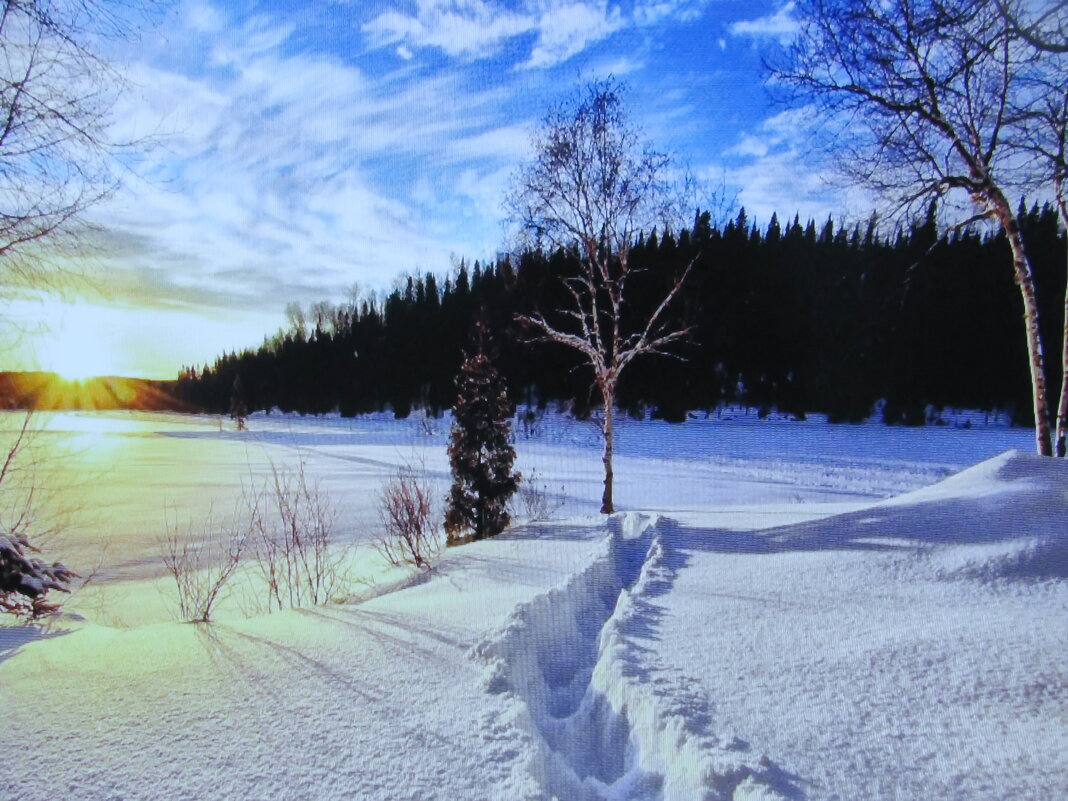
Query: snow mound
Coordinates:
[611,722]
[1041,559]
[1010,504]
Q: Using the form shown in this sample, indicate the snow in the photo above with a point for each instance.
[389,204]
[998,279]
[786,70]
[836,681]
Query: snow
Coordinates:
[784,610]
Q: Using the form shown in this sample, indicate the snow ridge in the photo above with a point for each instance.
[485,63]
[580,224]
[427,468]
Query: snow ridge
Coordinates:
[611,723]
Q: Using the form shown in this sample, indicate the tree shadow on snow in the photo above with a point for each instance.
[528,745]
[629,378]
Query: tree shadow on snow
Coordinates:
[12,638]
[556,530]
[971,521]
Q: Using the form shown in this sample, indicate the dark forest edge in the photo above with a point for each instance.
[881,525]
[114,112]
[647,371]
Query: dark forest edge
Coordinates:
[796,318]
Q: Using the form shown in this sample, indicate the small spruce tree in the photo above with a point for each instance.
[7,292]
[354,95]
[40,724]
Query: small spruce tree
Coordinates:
[25,581]
[480,452]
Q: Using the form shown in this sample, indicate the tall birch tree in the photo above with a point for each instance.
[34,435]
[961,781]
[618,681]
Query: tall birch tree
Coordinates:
[1041,134]
[923,91]
[593,187]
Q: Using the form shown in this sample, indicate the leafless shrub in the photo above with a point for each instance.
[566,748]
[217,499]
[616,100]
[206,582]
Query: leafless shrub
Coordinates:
[202,561]
[292,523]
[535,500]
[406,509]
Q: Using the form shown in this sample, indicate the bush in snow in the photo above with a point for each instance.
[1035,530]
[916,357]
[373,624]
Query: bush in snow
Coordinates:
[536,502]
[26,581]
[203,565]
[406,509]
[480,452]
[292,531]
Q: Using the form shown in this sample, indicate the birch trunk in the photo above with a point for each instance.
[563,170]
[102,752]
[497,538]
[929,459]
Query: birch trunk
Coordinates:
[1060,446]
[608,393]
[1062,407]
[1025,280]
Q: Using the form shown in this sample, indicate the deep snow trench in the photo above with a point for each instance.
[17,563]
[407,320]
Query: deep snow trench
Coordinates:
[610,722]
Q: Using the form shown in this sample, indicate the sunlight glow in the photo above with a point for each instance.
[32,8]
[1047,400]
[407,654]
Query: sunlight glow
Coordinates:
[83,338]
[75,345]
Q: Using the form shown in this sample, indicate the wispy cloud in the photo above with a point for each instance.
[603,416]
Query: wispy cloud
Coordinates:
[465,28]
[781,25]
[567,29]
[558,29]
[269,183]
[776,170]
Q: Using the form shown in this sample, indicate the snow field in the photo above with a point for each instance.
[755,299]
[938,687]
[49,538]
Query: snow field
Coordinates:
[374,701]
[772,630]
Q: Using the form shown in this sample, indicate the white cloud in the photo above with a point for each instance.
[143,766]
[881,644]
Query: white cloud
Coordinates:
[750,146]
[258,36]
[650,13]
[286,176]
[776,172]
[475,29]
[781,25]
[565,30]
[467,28]
[203,18]
[616,67]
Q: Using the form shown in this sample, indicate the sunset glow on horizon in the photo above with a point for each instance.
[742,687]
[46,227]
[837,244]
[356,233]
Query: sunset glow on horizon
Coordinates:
[76,345]
[80,339]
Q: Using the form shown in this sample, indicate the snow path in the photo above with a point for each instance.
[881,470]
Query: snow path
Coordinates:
[612,720]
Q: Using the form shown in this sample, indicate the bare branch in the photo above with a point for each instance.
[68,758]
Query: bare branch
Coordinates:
[1052,39]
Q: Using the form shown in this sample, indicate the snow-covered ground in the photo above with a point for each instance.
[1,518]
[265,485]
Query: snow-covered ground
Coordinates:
[783,610]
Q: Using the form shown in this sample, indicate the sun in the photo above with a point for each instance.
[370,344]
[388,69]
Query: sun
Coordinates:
[76,343]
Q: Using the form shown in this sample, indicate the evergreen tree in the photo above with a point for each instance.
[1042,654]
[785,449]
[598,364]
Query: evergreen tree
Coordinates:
[480,453]
[25,581]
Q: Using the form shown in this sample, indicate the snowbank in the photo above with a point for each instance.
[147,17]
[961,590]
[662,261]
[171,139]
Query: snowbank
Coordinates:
[912,649]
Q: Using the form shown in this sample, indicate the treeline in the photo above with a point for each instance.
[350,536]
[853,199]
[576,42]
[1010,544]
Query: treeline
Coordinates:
[800,317]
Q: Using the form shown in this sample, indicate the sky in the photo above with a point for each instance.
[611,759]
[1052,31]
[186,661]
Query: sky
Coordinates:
[307,152]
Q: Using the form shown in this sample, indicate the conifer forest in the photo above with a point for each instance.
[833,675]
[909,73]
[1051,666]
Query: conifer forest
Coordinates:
[795,317]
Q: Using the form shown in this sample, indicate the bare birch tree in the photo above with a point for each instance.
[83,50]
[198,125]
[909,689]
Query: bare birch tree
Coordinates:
[922,89]
[1041,135]
[593,187]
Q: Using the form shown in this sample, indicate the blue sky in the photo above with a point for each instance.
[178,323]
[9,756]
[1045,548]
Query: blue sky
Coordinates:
[301,149]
